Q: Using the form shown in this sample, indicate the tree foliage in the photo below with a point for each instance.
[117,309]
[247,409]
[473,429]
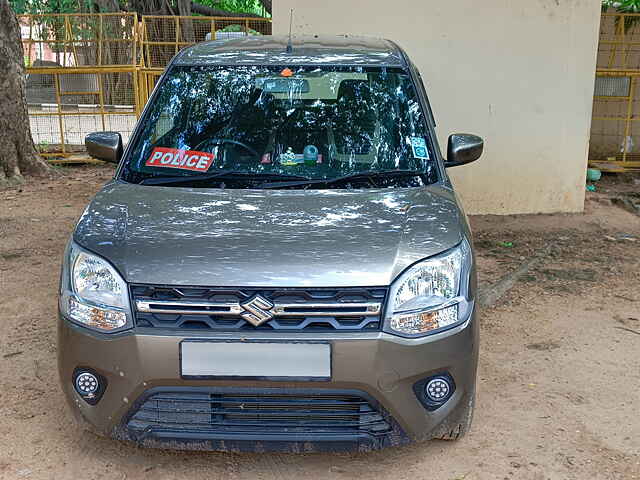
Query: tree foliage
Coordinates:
[240,6]
[624,6]
[256,7]
[47,6]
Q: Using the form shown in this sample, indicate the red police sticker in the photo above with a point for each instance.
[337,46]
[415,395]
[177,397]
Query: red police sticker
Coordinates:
[181,159]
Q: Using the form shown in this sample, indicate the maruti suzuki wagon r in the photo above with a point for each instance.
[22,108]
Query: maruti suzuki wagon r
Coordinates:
[280,261]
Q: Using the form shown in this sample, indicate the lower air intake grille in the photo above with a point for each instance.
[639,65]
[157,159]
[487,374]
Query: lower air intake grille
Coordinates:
[299,415]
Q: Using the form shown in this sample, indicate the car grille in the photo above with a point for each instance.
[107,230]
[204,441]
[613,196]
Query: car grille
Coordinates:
[301,414]
[288,309]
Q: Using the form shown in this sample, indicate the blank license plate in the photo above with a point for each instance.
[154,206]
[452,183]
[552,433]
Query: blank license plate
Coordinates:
[273,360]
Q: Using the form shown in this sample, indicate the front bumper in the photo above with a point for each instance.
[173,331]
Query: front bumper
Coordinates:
[379,367]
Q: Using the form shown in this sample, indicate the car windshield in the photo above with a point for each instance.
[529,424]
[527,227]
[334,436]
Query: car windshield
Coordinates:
[283,127]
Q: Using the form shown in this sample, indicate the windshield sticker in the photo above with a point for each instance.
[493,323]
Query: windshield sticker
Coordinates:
[419,147]
[290,159]
[181,159]
[310,157]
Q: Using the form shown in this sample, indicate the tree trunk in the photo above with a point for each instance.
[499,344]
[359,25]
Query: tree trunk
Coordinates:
[186,25]
[267,4]
[18,155]
[107,5]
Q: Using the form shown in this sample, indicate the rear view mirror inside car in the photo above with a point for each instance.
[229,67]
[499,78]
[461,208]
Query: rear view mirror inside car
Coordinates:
[283,85]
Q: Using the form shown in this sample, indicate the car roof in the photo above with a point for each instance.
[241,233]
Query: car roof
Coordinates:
[307,50]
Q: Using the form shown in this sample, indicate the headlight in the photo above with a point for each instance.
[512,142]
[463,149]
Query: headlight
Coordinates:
[93,293]
[431,296]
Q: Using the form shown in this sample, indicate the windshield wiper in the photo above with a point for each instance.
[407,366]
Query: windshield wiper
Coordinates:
[222,174]
[366,175]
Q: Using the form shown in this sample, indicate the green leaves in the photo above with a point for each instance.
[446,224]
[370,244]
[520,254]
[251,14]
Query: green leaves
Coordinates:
[623,6]
[240,6]
[19,6]
[73,6]
[47,6]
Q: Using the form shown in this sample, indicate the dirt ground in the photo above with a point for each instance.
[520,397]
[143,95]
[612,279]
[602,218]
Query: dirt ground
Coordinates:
[559,380]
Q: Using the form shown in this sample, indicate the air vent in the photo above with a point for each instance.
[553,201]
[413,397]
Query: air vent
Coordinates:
[612,86]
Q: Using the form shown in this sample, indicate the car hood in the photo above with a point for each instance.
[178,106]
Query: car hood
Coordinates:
[280,238]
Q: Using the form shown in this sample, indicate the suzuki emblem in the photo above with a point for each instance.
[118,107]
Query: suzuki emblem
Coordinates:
[257,310]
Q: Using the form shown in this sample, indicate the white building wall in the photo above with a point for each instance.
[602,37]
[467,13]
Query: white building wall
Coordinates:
[520,73]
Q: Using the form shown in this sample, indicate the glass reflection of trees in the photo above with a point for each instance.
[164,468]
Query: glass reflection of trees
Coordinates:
[359,119]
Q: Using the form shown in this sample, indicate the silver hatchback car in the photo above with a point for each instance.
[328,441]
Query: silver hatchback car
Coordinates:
[280,261]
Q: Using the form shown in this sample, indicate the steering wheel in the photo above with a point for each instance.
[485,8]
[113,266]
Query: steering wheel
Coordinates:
[222,141]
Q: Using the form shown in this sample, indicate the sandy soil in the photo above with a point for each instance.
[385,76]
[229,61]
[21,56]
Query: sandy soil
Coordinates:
[559,385]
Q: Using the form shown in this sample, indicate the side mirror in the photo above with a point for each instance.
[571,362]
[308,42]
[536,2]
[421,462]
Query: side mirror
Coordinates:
[463,148]
[105,146]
